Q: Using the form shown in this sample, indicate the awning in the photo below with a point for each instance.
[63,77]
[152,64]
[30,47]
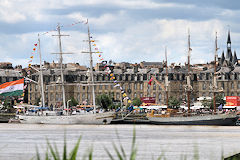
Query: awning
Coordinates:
[230,107]
[29,106]
[18,107]
[202,98]
[42,107]
[153,107]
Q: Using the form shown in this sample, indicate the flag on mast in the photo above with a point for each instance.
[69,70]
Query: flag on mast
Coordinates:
[13,88]
[150,81]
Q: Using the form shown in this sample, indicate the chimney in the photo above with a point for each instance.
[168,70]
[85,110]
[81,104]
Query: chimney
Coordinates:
[135,69]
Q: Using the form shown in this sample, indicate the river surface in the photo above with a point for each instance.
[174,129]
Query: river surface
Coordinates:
[19,141]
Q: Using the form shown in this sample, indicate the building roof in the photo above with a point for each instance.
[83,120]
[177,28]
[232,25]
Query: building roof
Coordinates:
[129,71]
[236,69]
[224,70]
[117,71]
[154,71]
[143,71]
[211,70]
[146,64]
[9,73]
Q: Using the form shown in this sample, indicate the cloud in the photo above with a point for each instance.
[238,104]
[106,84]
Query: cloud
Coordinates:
[127,30]
[8,14]
[127,4]
[145,41]
[233,5]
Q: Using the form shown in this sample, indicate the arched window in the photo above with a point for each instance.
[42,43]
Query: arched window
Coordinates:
[160,97]
[232,85]
[154,86]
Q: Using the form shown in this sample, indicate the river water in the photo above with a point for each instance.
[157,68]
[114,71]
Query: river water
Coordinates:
[19,141]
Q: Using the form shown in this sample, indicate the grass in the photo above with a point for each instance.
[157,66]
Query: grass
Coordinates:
[120,152]
[54,153]
[233,157]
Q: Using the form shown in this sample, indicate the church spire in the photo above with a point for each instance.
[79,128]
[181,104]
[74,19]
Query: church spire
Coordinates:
[229,40]
[222,58]
[235,60]
[229,50]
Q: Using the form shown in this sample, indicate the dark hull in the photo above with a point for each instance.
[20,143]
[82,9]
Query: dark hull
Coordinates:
[215,122]
[130,121]
[5,117]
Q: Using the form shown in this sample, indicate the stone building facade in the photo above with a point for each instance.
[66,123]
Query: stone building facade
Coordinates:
[134,80]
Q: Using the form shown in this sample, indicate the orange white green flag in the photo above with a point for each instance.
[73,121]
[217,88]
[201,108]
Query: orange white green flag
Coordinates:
[13,88]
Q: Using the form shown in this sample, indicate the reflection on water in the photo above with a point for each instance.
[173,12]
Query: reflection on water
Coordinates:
[19,141]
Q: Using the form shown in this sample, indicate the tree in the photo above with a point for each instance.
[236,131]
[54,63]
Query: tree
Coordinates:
[219,100]
[136,101]
[206,103]
[6,103]
[73,102]
[104,101]
[173,102]
[37,101]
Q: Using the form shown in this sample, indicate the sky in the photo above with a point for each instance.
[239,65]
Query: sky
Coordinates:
[125,30]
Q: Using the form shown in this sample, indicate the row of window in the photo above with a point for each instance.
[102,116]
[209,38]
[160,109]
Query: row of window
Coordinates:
[209,94]
[8,79]
[222,85]
[133,77]
[99,87]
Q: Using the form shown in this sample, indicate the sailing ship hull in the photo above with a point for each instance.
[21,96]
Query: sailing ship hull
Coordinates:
[48,119]
[101,118]
[217,120]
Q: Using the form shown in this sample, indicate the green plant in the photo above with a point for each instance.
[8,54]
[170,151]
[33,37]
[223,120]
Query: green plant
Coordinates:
[219,101]
[136,101]
[121,154]
[104,101]
[73,102]
[55,154]
[206,103]
[6,103]
[37,101]
[233,157]
[173,102]
[52,152]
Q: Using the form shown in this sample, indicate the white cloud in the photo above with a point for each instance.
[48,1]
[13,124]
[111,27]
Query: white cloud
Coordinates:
[20,10]
[128,4]
[8,14]
[143,41]
[122,36]
[146,40]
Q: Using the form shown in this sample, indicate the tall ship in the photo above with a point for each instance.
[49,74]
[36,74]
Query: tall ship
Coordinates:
[51,117]
[173,117]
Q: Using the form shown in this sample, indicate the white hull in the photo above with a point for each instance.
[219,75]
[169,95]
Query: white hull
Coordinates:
[100,118]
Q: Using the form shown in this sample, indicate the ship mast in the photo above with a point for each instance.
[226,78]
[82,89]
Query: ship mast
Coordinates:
[90,52]
[41,74]
[91,71]
[61,66]
[166,78]
[215,76]
[188,76]
[59,35]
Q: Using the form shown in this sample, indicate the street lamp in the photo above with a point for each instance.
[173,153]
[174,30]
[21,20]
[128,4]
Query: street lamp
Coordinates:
[68,106]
